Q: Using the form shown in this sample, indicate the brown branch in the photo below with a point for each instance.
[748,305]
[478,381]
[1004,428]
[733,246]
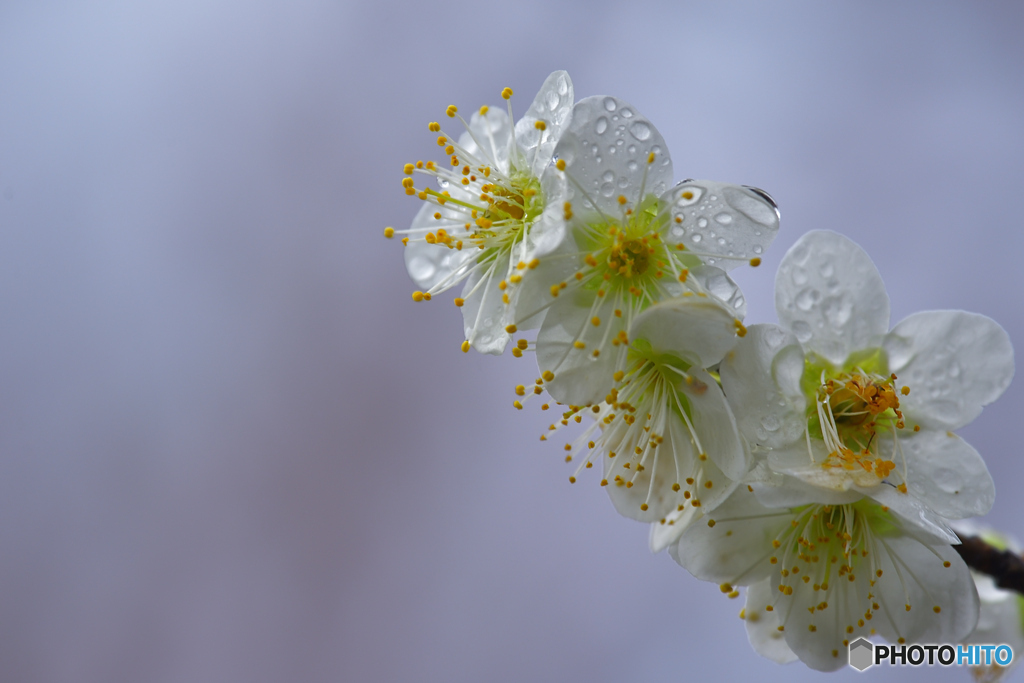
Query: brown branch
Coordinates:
[1006,567]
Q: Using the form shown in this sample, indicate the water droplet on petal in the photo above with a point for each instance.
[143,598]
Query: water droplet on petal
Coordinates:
[799,276]
[806,299]
[608,176]
[696,237]
[627,113]
[677,231]
[702,222]
[421,268]
[601,125]
[802,331]
[631,165]
[826,269]
[640,130]
[723,218]
[770,422]
[607,189]
[609,103]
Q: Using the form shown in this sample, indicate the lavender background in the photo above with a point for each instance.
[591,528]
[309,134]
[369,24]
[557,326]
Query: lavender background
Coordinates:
[231,446]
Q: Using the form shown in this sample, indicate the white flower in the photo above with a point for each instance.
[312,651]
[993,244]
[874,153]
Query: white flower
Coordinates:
[844,406]
[672,445]
[1001,619]
[634,240]
[497,211]
[822,575]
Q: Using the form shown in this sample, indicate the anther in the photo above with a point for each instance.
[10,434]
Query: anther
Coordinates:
[389,232]
[540,125]
[755,262]
[506,93]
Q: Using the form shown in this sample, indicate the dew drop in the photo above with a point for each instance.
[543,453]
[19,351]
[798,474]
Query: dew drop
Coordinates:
[758,249]
[702,222]
[631,149]
[552,100]
[623,182]
[806,299]
[421,268]
[721,241]
[696,237]
[442,182]
[826,269]
[631,165]
[609,103]
[723,218]
[608,176]
[607,189]
[770,422]
[640,130]
[799,276]
[802,331]
[627,113]
[601,125]
[677,231]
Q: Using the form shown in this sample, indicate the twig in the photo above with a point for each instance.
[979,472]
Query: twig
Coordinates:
[1006,567]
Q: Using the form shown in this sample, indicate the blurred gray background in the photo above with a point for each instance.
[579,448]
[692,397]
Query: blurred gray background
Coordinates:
[231,446]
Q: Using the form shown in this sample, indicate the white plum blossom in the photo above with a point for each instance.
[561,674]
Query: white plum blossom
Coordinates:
[841,403]
[498,208]
[634,239]
[664,435]
[820,575]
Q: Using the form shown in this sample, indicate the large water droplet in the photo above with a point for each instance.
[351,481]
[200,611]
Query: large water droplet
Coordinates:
[607,189]
[802,331]
[623,182]
[723,218]
[640,130]
[631,149]
[721,241]
[677,231]
[702,222]
[799,276]
[826,269]
[770,422]
[442,182]
[608,176]
[609,103]
[806,299]
[627,113]
[601,125]
[631,165]
[421,268]
[758,249]
[552,100]
[696,237]
[837,310]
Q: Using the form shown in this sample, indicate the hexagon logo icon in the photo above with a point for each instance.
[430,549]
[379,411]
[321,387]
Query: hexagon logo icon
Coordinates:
[862,654]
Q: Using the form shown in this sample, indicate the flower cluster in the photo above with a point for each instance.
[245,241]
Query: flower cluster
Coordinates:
[814,462]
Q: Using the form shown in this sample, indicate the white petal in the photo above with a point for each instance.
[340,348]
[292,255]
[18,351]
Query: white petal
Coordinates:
[676,460]
[954,363]
[717,283]
[580,379]
[533,295]
[730,223]
[605,151]
[715,425]
[829,293]
[914,512]
[761,379]
[793,492]
[664,534]
[947,474]
[926,583]
[697,330]
[483,314]
[763,626]
[736,549]
[431,264]
[493,133]
[553,106]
